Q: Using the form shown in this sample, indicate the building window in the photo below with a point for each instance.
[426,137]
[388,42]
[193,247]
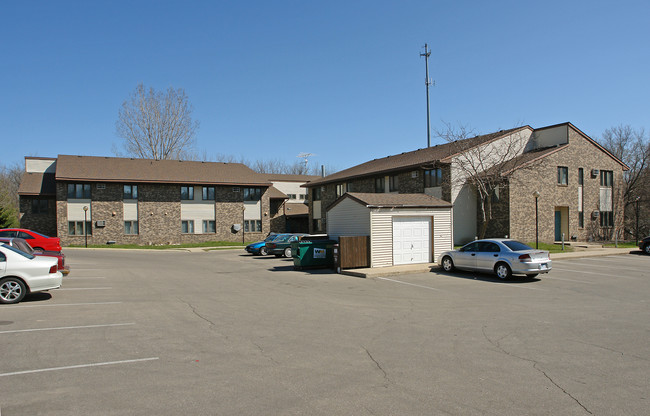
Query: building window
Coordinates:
[77,228]
[495,194]
[581,176]
[130,191]
[187,193]
[562,175]
[130,227]
[209,226]
[341,189]
[432,178]
[606,178]
[303,196]
[581,219]
[316,194]
[187,226]
[606,219]
[208,193]
[78,191]
[394,183]
[252,194]
[40,206]
[292,196]
[380,186]
[253,226]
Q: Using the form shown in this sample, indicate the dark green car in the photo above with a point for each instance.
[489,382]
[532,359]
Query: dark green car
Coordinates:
[281,246]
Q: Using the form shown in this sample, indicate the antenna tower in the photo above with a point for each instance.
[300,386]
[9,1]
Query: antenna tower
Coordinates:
[306,157]
[427,82]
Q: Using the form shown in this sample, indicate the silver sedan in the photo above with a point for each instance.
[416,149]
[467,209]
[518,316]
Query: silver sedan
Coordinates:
[502,256]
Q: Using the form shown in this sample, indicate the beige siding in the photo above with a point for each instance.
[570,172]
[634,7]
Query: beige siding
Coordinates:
[130,210]
[381,242]
[76,209]
[348,218]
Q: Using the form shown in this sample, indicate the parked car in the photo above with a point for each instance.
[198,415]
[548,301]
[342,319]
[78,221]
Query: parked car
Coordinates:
[644,245]
[22,245]
[281,246]
[502,256]
[259,248]
[22,273]
[38,241]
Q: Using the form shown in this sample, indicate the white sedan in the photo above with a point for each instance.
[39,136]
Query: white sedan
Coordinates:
[22,273]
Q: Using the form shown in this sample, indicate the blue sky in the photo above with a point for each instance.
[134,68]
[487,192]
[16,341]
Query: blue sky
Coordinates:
[340,79]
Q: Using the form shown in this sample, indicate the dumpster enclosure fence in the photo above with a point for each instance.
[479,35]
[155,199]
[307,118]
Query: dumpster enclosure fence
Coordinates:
[355,251]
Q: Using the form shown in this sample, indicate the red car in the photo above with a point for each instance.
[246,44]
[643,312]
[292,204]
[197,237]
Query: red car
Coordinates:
[38,241]
[22,245]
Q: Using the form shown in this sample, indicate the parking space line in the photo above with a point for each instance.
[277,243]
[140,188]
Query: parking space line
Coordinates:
[586,272]
[409,284]
[85,288]
[64,327]
[618,268]
[42,370]
[84,277]
[570,280]
[64,304]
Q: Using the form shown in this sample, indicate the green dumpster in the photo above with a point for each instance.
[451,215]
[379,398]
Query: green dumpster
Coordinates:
[313,254]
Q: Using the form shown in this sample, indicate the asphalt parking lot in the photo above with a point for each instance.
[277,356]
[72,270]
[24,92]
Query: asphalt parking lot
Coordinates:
[224,333]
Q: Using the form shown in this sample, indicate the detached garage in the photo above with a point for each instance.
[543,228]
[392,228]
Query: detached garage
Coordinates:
[402,228]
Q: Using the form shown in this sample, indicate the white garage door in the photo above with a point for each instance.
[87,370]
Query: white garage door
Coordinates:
[411,240]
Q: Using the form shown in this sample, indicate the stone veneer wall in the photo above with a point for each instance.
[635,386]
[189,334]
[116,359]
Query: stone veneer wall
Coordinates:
[159,216]
[499,224]
[580,153]
[42,223]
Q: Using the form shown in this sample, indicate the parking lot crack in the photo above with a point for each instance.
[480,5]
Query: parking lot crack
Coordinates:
[535,366]
[386,378]
[264,353]
[193,308]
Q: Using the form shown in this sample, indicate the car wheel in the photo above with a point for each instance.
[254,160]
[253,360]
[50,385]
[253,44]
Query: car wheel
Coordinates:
[287,252]
[12,290]
[503,271]
[646,249]
[263,251]
[447,264]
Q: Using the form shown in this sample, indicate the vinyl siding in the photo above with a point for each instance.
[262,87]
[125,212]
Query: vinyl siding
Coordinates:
[348,218]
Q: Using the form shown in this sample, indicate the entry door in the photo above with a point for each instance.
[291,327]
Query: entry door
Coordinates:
[558,225]
[411,240]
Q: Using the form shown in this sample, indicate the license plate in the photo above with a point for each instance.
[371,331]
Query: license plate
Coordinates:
[542,266]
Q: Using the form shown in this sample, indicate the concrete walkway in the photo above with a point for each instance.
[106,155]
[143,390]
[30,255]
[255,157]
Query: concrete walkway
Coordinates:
[426,267]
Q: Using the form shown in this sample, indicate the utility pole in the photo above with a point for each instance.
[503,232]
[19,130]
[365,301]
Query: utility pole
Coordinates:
[427,82]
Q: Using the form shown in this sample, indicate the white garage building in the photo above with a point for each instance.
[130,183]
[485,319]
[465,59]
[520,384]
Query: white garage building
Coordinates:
[403,228]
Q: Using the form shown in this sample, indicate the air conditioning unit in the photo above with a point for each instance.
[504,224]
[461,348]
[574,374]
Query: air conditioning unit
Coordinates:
[100,223]
[595,214]
[414,174]
[594,173]
[235,189]
[101,186]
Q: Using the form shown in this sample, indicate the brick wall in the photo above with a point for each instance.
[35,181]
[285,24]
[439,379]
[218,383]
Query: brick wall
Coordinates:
[159,216]
[44,223]
[580,153]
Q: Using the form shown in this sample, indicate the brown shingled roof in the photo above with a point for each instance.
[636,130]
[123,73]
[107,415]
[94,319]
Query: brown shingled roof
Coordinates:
[294,209]
[113,169]
[276,193]
[283,177]
[383,200]
[37,184]
[412,159]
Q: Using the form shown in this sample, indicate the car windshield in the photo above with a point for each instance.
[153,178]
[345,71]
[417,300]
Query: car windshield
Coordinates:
[15,250]
[516,245]
[21,245]
[271,237]
[283,239]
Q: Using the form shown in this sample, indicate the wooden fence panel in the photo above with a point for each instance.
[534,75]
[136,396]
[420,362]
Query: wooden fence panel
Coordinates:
[355,252]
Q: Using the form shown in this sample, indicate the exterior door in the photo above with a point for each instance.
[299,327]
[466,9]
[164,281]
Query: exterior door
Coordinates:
[411,240]
[558,225]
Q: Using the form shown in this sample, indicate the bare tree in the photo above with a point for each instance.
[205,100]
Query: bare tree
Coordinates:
[485,165]
[157,125]
[10,178]
[632,146]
